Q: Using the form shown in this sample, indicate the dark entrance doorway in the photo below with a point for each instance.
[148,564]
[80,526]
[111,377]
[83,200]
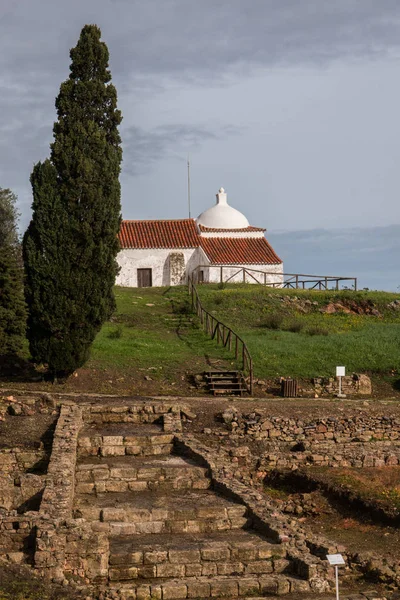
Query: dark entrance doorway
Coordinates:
[144,278]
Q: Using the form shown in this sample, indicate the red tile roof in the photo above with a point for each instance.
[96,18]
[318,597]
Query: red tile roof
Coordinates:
[212,230]
[183,234]
[239,251]
[159,234]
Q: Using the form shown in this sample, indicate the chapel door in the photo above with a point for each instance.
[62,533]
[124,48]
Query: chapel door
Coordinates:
[144,278]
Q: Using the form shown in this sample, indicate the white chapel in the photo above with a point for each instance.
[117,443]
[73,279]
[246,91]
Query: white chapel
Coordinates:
[219,245]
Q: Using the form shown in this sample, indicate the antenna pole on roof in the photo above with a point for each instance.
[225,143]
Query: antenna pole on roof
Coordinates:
[188,177]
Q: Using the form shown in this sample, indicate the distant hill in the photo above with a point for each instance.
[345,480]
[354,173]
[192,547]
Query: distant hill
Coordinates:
[372,254]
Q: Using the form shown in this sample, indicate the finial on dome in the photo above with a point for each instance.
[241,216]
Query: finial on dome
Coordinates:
[221,196]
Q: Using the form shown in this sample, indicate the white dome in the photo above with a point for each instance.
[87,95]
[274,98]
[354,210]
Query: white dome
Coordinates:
[222,216]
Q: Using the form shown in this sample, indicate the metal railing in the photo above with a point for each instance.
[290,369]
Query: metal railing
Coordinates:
[238,274]
[223,334]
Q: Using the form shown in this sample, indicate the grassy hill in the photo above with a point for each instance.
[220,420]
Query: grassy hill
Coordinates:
[307,333]
[154,346]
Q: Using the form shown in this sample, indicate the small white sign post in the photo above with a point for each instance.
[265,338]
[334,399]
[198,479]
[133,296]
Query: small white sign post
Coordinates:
[336,560]
[340,372]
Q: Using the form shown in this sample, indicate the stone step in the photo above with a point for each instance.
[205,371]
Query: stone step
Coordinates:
[217,587]
[120,439]
[228,553]
[122,473]
[130,513]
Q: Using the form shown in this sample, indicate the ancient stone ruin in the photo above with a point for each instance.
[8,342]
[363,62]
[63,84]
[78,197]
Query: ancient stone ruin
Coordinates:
[133,508]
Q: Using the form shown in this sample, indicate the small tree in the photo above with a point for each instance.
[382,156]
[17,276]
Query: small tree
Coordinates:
[12,304]
[71,244]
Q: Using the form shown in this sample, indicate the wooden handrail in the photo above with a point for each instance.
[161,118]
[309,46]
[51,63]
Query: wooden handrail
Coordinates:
[216,329]
[288,280]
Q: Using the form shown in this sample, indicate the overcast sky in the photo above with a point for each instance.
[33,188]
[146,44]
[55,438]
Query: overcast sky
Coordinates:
[291,105]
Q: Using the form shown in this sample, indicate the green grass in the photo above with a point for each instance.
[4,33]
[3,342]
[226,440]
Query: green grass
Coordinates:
[363,343]
[159,338]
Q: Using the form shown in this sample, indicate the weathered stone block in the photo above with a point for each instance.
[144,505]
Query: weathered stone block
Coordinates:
[147,571]
[259,567]
[112,514]
[299,585]
[137,486]
[155,556]
[116,486]
[198,589]
[281,565]
[123,473]
[112,440]
[209,569]
[224,588]
[215,553]
[184,556]
[126,573]
[84,488]
[150,527]
[194,570]
[172,591]
[149,473]
[143,592]
[230,568]
[268,585]
[248,586]
[133,450]
[112,451]
[244,552]
[170,570]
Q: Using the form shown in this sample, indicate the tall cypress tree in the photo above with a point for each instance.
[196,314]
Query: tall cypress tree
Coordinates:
[12,303]
[71,244]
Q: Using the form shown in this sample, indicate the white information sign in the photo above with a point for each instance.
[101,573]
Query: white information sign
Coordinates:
[340,372]
[335,559]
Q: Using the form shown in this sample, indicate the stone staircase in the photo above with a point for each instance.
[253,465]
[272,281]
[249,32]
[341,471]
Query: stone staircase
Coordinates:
[170,535]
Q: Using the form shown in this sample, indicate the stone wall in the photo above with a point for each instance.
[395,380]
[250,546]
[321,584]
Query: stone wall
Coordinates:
[331,454]
[263,426]
[69,549]
[265,517]
[119,445]
[58,495]
[14,461]
[136,412]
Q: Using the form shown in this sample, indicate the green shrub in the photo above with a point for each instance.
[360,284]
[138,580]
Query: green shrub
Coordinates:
[295,326]
[115,334]
[273,321]
[317,331]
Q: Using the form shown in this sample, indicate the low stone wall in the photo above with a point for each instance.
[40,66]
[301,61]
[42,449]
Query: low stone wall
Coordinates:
[199,560]
[265,517]
[58,496]
[100,478]
[23,405]
[352,385]
[263,426]
[14,461]
[140,412]
[69,549]
[119,445]
[17,535]
[332,454]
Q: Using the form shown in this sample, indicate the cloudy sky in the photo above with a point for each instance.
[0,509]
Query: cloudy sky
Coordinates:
[291,105]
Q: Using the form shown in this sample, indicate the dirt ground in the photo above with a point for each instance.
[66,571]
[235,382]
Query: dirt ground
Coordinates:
[27,431]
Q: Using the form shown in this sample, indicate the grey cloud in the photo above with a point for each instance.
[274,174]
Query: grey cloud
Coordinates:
[176,37]
[143,148]
[371,254]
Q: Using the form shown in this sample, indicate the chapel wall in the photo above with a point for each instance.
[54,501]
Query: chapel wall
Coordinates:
[157,259]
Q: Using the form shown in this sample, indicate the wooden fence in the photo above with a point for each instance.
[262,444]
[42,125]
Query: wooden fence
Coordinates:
[223,334]
[237,274]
